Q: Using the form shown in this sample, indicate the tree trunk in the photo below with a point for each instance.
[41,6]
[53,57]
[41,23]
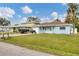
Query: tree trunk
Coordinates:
[73,28]
[3,37]
[8,35]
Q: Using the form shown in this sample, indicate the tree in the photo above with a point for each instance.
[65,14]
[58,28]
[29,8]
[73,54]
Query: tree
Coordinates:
[71,14]
[4,22]
[33,20]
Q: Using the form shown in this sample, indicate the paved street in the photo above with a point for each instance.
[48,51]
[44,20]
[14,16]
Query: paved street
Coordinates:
[7,49]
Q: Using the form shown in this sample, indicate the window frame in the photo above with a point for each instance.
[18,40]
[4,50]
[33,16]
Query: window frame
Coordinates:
[62,28]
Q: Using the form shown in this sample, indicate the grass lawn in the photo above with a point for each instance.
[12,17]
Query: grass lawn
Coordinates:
[8,32]
[50,43]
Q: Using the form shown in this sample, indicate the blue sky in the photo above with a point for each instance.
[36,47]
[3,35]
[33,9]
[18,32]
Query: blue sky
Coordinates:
[18,12]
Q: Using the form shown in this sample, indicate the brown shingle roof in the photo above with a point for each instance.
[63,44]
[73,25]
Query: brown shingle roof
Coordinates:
[57,21]
[54,23]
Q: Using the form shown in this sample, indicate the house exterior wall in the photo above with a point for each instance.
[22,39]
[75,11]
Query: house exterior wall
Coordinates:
[54,30]
[75,31]
[36,29]
[57,30]
[10,29]
[47,29]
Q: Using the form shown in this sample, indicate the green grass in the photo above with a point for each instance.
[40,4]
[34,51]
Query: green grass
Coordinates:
[65,45]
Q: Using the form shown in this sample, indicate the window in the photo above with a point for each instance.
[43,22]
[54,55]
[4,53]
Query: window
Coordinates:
[62,28]
[43,28]
[49,28]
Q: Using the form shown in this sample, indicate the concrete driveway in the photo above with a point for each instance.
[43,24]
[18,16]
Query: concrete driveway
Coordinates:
[13,35]
[7,49]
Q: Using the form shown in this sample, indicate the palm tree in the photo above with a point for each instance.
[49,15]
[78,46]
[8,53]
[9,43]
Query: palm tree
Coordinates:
[71,14]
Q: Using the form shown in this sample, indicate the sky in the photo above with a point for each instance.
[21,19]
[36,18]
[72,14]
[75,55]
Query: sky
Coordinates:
[19,12]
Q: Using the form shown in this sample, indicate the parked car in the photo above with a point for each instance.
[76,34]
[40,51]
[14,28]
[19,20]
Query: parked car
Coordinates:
[27,30]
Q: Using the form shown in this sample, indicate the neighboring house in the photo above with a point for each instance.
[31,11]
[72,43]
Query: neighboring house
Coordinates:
[6,29]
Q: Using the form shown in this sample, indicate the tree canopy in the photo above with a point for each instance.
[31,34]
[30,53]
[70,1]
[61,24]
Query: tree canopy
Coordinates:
[71,13]
[4,21]
[33,20]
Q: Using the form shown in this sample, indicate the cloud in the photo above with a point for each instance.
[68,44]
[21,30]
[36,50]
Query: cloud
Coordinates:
[54,15]
[45,19]
[26,10]
[63,17]
[23,20]
[6,12]
[64,4]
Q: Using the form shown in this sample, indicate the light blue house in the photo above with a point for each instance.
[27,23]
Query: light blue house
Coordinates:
[55,27]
